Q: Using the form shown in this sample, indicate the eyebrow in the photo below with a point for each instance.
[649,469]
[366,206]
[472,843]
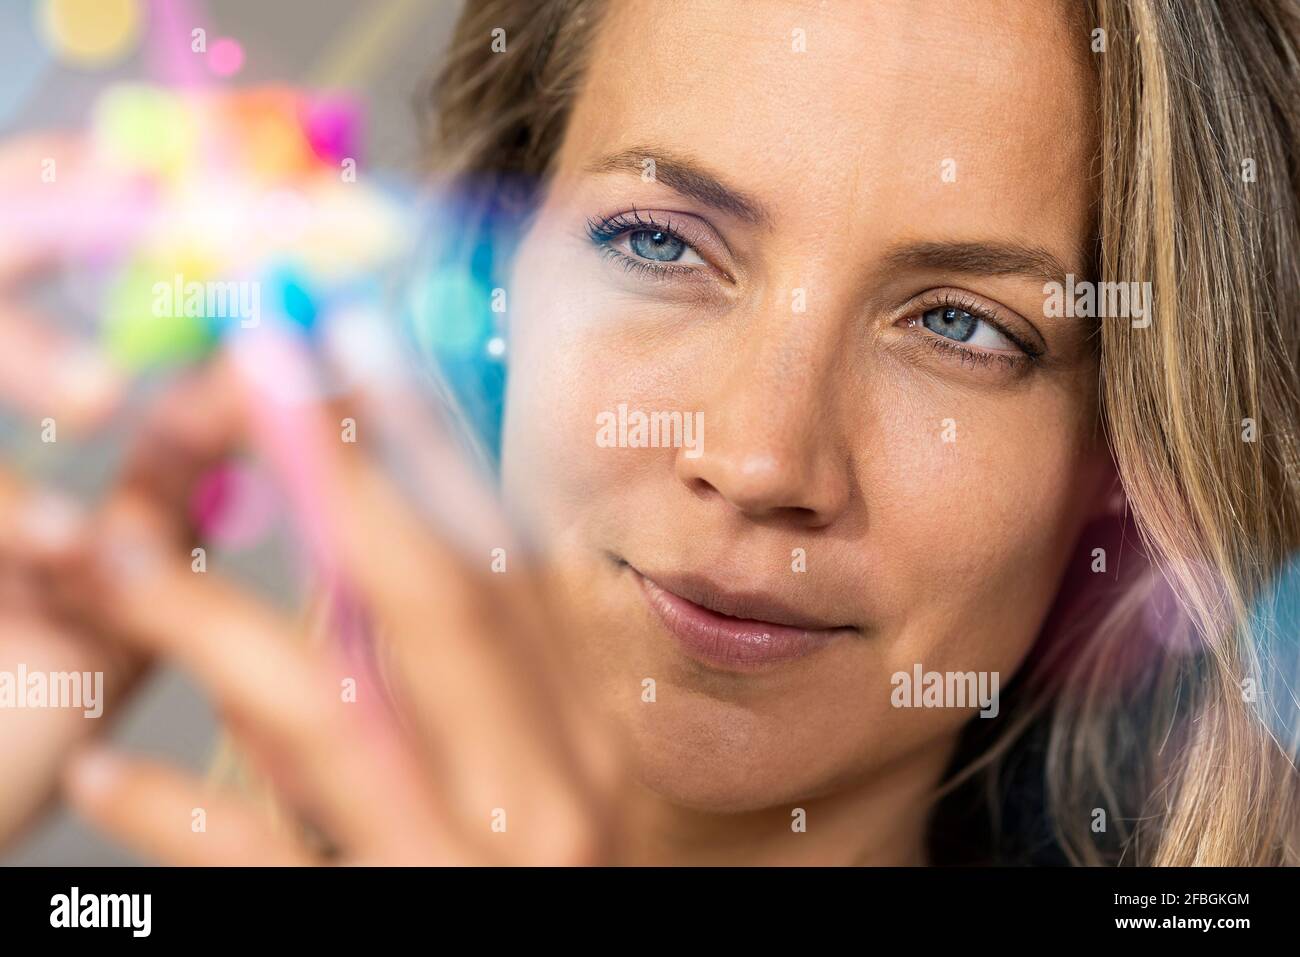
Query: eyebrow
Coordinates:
[690,178]
[980,259]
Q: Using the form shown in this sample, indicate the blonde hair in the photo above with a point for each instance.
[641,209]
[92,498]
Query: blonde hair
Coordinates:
[1193,772]
[1200,120]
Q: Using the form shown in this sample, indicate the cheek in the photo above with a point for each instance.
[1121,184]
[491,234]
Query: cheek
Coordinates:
[965,545]
[974,507]
[578,350]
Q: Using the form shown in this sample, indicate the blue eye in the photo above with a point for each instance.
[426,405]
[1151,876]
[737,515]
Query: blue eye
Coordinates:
[643,246]
[955,324]
[657,246]
[951,323]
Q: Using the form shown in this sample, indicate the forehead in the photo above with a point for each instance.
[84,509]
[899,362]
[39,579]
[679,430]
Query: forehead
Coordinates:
[944,112]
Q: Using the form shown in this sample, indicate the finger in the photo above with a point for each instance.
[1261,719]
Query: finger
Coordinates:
[38,523]
[173,817]
[34,742]
[363,532]
[336,755]
[506,730]
[39,535]
[192,427]
[484,679]
[518,744]
[49,543]
[410,423]
[45,557]
[181,434]
[45,373]
[409,492]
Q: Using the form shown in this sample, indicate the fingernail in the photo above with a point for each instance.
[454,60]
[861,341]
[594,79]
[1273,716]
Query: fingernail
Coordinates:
[51,520]
[87,381]
[95,771]
[127,558]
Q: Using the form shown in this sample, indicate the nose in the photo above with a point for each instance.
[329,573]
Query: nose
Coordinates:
[770,448]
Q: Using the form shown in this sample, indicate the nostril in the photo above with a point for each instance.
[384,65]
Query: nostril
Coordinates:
[793,515]
[795,486]
[702,487]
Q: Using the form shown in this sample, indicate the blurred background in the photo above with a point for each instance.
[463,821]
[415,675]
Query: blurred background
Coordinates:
[56,57]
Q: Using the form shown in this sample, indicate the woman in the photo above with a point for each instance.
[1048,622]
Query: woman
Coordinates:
[820,250]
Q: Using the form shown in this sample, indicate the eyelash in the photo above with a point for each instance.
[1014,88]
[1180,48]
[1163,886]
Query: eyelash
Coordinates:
[954,350]
[604,231]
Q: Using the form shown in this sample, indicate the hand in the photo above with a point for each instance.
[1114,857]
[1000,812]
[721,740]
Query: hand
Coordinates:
[45,374]
[468,743]
[50,553]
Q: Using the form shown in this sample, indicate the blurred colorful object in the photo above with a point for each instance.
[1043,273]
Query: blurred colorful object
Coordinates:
[226,57]
[90,33]
[145,129]
[234,506]
[251,203]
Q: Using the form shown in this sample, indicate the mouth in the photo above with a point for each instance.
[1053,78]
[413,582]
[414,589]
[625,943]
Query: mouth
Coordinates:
[736,631]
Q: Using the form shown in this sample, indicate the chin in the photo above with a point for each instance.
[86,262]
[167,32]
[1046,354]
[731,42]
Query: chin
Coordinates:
[705,785]
[703,755]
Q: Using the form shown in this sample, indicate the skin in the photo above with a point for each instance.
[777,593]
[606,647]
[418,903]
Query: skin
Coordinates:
[35,381]
[823,432]
[947,554]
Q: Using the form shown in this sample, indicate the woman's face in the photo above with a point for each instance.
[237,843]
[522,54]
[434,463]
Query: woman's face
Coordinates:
[819,233]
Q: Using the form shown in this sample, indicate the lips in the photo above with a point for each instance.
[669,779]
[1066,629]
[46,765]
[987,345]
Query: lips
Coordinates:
[734,630]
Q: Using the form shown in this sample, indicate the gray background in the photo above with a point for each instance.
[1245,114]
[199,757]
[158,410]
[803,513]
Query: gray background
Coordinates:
[285,41]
